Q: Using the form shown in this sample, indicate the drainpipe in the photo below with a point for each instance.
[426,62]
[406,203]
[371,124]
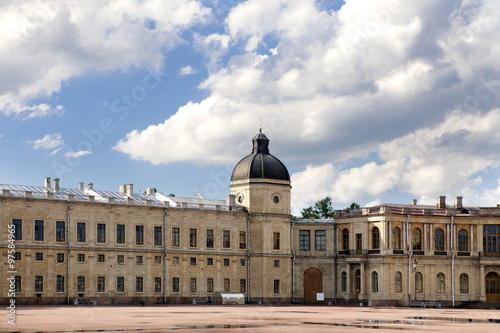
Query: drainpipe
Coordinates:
[409,256]
[335,258]
[248,257]
[165,257]
[293,264]
[452,245]
[69,250]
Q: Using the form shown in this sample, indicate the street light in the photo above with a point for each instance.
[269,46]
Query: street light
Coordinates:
[414,270]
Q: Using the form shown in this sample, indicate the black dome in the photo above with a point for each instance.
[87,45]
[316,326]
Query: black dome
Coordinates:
[260,164]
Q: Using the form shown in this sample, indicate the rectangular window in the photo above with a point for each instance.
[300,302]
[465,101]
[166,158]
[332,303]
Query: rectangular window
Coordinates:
[60,257]
[276,286]
[210,261]
[243,262]
[320,241]
[276,263]
[80,284]
[120,284]
[158,236]
[193,239]
[175,285]
[359,243]
[157,285]
[139,260]
[210,285]
[227,285]
[17,256]
[80,232]
[18,229]
[276,241]
[210,238]
[304,240]
[60,231]
[81,257]
[243,286]
[120,234]
[38,284]
[158,260]
[39,232]
[175,260]
[192,261]
[101,284]
[491,240]
[243,240]
[176,237]
[38,256]
[139,235]
[17,282]
[139,284]
[101,258]
[192,285]
[226,262]
[120,259]
[226,239]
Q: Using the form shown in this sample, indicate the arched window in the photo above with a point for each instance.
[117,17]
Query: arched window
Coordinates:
[416,239]
[375,238]
[463,244]
[344,281]
[397,282]
[345,239]
[396,238]
[439,240]
[440,286]
[420,282]
[374,282]
[464,283]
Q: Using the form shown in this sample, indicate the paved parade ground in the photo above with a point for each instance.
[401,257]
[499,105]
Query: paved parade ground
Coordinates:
[247,318]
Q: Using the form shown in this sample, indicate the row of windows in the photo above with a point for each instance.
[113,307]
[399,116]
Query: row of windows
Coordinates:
[398,278]
[139,284]
[81,234]
[319,240]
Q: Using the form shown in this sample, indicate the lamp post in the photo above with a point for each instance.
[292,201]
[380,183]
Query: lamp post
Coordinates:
[414,270]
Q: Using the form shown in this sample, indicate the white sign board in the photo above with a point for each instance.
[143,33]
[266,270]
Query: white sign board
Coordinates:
[320,296]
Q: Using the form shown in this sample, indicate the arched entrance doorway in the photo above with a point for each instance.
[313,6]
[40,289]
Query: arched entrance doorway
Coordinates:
[492,287]
[313,283]
[357,282]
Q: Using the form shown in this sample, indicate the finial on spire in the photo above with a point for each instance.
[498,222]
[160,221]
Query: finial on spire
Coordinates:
[260,124]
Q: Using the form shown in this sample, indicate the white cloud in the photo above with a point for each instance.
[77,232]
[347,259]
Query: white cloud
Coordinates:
[372,83]
[46,43]
[75,154]
[49,141]
[187,70]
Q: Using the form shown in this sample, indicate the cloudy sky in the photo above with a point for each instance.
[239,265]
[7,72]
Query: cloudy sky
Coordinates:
[366,101]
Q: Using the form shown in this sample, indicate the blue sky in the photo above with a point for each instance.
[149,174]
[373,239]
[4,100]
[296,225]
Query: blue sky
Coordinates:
[365,101]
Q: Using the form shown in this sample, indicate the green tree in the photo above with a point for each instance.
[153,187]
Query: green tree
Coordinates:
[354,206]
[322,209]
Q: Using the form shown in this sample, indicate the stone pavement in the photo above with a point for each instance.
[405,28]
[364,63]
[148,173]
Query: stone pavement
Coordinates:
[247,318]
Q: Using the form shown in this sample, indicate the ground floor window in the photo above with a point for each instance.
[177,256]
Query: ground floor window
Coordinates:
[464,283]
[276,286]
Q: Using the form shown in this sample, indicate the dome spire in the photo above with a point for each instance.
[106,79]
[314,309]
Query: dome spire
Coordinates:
[260,124]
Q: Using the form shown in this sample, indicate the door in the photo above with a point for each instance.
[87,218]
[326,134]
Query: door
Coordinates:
[313,283]
[357,282]
[359,243]
[492,287]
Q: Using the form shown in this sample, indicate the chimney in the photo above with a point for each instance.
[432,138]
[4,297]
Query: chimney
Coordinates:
[90,186]
[442,202]
[47,182]
[230,200]
[56,184]
[81,186]
[150,191]
[414,202]
[130,190]
[458,202]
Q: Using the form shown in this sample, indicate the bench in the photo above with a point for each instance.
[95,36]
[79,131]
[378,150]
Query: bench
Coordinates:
[88,301]
[425,304]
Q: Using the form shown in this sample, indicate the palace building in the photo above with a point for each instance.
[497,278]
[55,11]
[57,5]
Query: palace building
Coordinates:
[127,248]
